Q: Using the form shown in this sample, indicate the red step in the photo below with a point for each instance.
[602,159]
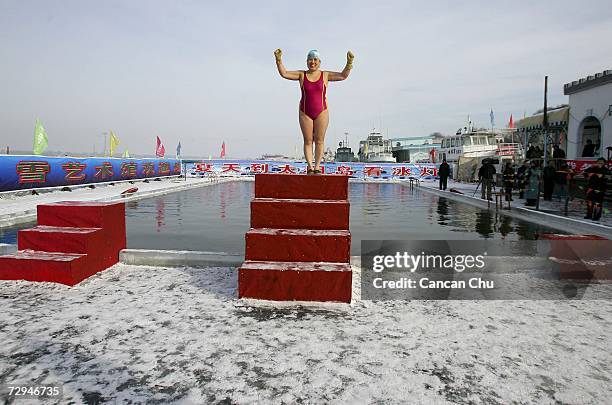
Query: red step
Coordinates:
[298,245]
[73,241]
[578,271]
[299,213]
[580,257]
[89,241]
[29,265]
[110,216]
[322,187]
[295,281]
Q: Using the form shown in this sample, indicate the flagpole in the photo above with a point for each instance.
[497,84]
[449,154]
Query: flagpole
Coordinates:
[545,119]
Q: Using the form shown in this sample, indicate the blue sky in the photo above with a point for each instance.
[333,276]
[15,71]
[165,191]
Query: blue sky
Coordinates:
[204,72]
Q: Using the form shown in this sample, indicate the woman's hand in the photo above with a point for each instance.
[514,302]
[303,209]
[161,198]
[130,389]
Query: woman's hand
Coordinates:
[285,74]
[349,60]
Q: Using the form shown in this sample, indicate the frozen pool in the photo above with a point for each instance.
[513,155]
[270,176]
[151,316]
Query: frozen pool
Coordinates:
[215,218]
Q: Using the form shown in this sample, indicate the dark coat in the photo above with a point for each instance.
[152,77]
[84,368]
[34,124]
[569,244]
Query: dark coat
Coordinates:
[596,178]
[550,173]
[588,150]
[444,170]
[487,171]
[508,177]
[558,153]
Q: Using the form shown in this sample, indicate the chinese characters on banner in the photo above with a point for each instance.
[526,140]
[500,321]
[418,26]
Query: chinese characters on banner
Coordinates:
[359,170]
[25,172]
[578,166]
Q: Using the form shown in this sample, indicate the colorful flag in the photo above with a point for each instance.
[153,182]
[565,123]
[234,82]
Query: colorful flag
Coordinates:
[160,151]
[178,150]
[511,123]
[40,139]
[492,118]
[114,142]
[223,150]
[126,154]
[432,154]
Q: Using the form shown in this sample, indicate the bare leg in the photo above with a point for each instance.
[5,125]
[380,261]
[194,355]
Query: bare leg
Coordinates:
[320,127]
[306,125]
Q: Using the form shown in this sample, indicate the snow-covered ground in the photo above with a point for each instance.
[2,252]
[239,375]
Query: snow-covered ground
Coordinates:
[137,334]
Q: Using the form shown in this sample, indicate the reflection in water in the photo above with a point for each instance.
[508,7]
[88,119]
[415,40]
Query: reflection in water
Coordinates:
[442,210]
[370,190]
[222,203]
[215,218]
[159,217]
[227,196]
[484,224]
[421,216]
[505,226]
[527,230]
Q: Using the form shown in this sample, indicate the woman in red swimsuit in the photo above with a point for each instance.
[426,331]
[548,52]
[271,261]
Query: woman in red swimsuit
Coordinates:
[314,116]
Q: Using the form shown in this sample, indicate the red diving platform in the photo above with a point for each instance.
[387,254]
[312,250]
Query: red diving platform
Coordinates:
[73,241]
[580,257]
[298,247]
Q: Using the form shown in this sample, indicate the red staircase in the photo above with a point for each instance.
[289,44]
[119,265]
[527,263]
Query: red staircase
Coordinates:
[298,247]
[73,240]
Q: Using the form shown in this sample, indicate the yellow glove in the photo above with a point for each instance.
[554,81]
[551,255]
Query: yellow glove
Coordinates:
[349,60]
[278,54]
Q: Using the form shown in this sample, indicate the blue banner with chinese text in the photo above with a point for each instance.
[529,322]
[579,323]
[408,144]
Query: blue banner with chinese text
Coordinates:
[26,172]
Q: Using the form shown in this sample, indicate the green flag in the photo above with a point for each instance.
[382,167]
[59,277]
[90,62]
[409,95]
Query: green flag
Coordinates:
[126,154]
[40,138]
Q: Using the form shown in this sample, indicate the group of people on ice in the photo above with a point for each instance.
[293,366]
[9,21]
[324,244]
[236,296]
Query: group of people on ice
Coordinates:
[531,181]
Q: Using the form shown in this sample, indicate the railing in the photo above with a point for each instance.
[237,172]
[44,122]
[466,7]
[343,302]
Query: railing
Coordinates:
[509,149]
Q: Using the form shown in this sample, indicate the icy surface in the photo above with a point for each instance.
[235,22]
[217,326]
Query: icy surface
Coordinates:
[157,335]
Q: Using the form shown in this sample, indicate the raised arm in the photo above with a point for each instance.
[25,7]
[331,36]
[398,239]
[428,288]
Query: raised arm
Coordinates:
[338,76]
[286,74]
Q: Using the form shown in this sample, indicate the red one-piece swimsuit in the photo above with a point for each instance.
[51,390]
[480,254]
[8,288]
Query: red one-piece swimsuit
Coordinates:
[313,100]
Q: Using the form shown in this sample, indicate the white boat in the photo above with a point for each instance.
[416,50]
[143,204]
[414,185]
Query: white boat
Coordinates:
[480,143]
[466,150]
[375,149]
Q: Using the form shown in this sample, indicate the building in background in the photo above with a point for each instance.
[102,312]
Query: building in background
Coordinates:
[590,115]
[530,130]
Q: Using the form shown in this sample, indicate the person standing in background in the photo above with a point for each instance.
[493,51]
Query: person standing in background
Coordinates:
[486,174]
[550,172]
[521,179]
[443,172]
[589,149]
[596,189]
[532,182]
